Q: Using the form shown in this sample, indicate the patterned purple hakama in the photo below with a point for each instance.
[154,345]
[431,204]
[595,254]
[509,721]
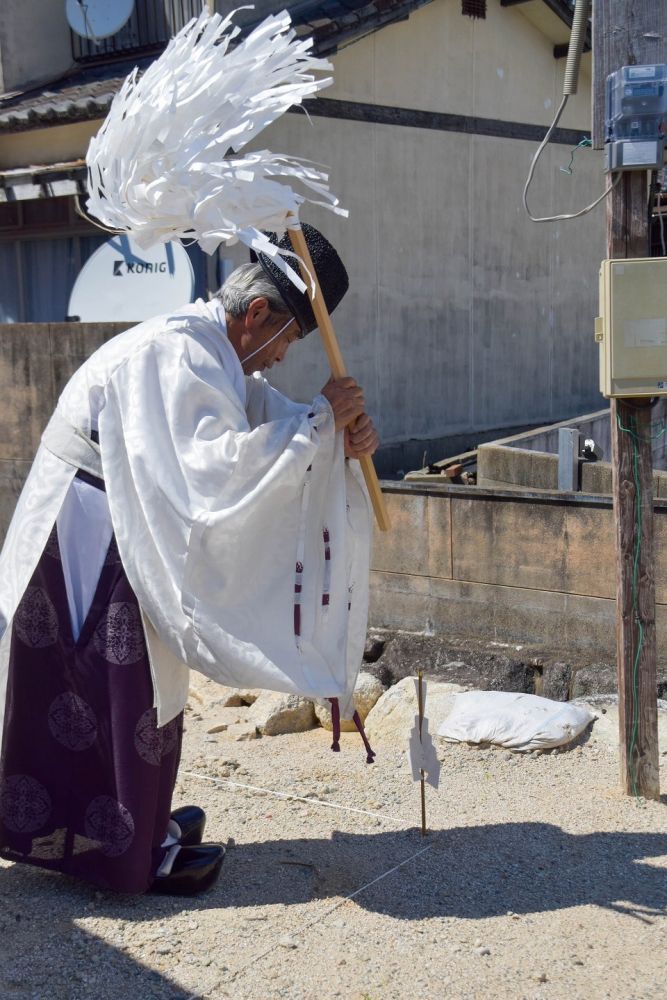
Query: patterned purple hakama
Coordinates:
[86,777]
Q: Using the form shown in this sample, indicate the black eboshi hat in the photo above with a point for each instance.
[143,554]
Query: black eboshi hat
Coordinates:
[331,275]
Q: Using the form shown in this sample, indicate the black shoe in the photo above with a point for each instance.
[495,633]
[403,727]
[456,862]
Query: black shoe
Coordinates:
[195,870]
[191,820]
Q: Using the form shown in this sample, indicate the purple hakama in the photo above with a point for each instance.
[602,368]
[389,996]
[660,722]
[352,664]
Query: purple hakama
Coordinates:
[86,777]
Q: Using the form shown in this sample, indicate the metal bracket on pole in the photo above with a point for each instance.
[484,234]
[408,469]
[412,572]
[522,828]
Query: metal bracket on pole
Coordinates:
[568,459]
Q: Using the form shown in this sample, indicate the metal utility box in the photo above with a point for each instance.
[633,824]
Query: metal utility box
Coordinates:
[631,329]
[636,116]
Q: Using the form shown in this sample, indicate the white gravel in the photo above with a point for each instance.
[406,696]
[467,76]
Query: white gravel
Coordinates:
[539,881]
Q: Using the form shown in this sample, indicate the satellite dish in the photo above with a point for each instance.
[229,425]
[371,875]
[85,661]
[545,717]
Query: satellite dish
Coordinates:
[97,19]
[121,282]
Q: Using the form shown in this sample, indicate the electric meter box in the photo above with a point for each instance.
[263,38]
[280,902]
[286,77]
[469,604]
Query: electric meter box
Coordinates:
[631,329]
[636,117]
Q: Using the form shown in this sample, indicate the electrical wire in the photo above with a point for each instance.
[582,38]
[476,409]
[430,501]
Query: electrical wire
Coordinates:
[531,172]
[585,143]
[577,38]
[89,218]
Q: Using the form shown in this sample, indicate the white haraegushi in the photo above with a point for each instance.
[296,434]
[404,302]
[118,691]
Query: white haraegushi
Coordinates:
[167,164]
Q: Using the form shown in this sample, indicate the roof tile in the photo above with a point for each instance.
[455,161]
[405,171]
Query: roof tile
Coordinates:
[88,92]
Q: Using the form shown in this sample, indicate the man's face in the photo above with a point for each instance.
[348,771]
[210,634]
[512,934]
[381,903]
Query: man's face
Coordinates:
[267,337]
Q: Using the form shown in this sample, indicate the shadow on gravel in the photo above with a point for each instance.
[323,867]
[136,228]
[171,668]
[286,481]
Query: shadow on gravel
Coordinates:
[45,954]
[470,872]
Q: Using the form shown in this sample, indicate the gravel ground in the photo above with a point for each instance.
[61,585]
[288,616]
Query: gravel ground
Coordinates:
[537,880]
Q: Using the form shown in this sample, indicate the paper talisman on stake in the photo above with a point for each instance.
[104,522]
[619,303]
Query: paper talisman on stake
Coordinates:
[169,161]
[421,750]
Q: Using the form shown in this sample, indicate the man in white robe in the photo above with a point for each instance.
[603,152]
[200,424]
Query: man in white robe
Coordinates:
[241,525]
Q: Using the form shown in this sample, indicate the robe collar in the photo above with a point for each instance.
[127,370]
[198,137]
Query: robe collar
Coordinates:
[230,359]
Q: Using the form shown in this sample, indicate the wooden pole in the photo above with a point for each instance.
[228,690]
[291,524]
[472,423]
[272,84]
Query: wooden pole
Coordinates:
[422,782]
[337,365]
[632,487]
[622,37]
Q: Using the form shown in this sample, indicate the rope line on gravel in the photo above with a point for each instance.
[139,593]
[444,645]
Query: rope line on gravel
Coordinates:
[292,796]
[332,909]
[328,805]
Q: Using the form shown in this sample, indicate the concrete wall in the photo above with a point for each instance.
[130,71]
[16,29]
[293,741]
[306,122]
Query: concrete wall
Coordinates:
[530,460]
[36,360]
[595,426]
[34,42]
[500,467]
[527,568]
[511,565]
[463,315]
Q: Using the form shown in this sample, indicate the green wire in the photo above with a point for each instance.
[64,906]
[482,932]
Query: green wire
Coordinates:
[569,169]
[635,608]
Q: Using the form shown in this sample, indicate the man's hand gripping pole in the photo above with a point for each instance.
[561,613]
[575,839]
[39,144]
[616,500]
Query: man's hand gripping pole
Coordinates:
[336,363]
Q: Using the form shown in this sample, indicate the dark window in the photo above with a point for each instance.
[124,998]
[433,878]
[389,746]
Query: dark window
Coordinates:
[473,8]
[149,28]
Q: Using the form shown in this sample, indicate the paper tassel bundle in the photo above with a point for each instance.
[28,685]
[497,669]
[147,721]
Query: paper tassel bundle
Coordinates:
[165,163]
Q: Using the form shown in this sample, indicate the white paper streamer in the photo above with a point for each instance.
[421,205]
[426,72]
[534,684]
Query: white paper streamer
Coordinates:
[165,164]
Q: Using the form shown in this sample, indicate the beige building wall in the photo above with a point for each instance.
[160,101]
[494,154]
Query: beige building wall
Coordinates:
[463,315]
[500,67]
[57,144]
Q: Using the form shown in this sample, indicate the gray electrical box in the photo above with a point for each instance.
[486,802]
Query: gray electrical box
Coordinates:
[636,117]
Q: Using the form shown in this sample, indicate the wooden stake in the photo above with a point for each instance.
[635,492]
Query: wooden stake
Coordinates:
[420,698]
[623,36]
[337,365]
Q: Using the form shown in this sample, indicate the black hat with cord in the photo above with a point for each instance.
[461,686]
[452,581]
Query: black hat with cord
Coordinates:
[331,275]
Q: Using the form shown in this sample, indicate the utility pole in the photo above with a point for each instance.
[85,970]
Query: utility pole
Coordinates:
[632,34]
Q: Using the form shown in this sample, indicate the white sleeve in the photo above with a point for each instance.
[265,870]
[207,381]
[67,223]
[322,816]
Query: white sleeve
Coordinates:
[211,513]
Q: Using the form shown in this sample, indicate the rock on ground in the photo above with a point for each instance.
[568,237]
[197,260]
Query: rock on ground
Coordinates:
[473,663]
[275,714]
[393,716]
[367,692]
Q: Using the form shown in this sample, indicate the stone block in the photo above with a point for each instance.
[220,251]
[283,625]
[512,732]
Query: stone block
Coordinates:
[555,681]
[369,689]
[274,713]
[451,662]
[393,716]
[594,679]
[404,549]
[26,388]
[516,467]
[12,477]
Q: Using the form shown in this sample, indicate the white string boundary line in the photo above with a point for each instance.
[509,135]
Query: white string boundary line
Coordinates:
[291,796]
[317,802]
[332,909]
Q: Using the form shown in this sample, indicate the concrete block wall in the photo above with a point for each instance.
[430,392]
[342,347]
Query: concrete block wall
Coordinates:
[500,467]
[36,360]
[530,568]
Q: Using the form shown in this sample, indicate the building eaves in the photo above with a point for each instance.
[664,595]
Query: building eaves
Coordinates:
[78,97]
[564,9]
[48,181]
[86,93]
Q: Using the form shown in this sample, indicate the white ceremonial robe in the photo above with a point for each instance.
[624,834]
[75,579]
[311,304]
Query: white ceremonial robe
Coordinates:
[217,485]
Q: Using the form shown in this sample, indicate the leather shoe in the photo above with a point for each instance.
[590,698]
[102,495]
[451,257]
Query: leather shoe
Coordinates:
[191,821]
[195,869]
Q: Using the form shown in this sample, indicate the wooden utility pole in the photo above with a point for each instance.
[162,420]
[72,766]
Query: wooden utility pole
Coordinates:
[632,34]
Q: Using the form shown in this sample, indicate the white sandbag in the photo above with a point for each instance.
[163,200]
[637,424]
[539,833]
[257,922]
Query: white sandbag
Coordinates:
[514,720]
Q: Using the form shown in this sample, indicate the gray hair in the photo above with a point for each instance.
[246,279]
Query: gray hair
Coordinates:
[246,283]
